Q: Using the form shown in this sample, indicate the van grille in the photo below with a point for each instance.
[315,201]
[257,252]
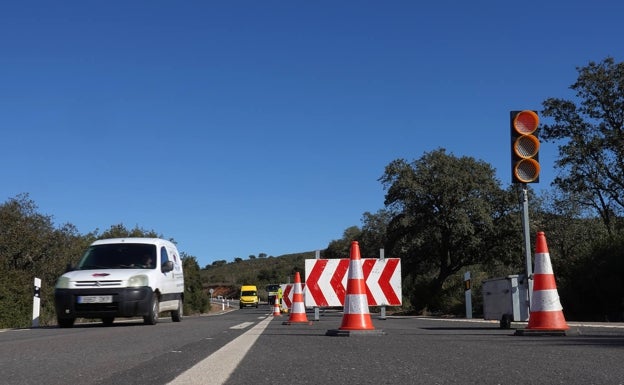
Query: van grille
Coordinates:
[95,283]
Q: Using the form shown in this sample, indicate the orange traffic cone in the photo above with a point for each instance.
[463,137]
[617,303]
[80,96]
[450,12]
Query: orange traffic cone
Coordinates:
[356,317]
[546,312]
[297,311]
[276,308]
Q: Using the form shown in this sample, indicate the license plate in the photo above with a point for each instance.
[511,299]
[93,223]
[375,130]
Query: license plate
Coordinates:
[95,299]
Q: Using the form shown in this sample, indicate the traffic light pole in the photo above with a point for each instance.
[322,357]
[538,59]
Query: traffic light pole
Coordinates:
[525,169]
[527,242]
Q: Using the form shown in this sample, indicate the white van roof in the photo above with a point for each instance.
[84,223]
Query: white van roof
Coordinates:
[153,241]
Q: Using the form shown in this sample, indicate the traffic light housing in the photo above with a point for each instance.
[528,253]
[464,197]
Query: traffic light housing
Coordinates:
[525,146]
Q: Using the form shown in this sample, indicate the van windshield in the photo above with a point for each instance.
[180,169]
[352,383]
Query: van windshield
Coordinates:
[272,287]
[119,256]
[248,293]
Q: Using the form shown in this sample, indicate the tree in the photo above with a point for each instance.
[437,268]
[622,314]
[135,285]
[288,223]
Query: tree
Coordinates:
[595,289]
[590,133]
[23,233]
[445,216]
[374,233]
[371,237]
[340,248]
[30,246]
[220,262]
[196,299]
[570,234]
[120,231]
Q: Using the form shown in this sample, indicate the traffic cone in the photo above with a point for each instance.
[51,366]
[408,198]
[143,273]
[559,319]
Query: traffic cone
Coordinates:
[276,308]
[546,312]
[297,311]
[356,317]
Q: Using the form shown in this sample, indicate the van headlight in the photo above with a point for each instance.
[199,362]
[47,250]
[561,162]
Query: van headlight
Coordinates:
[62,283]
[138,281]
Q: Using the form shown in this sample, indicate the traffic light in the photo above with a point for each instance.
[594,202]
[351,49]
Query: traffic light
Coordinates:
[525,146]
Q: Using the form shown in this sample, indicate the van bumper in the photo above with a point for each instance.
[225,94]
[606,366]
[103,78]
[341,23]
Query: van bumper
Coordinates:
[245,303]
[126,302]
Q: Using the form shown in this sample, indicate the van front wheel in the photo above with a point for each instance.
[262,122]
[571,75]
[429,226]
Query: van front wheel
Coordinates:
[152,317]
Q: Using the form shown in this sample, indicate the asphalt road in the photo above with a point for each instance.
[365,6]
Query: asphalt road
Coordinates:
[250,346]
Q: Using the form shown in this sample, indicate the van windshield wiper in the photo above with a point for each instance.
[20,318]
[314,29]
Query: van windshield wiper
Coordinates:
[89,267]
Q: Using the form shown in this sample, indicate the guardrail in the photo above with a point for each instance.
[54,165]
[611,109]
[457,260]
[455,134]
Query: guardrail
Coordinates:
[225,302]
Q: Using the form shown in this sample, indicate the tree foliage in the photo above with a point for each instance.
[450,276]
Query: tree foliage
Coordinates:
[590,134]
[30,246]
[340,248]
[25,235]
[447,213]
[594,289]
[120,231]
[371,237]
[196,300]
[570,235]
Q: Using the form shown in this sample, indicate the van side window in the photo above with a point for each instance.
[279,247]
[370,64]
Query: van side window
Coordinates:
[164,257]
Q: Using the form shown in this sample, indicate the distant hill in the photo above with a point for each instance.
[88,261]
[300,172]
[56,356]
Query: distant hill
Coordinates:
[226,279]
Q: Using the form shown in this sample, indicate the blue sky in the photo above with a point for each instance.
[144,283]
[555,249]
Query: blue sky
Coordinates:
[247,127]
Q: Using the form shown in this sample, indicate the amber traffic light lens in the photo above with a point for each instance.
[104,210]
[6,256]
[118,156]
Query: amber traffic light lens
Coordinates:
[526,122]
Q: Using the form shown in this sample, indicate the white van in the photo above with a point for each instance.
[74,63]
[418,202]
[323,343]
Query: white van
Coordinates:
[122,277]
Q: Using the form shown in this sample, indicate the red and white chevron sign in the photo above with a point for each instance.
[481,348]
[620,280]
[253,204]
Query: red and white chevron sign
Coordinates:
[326,281]
[287,294]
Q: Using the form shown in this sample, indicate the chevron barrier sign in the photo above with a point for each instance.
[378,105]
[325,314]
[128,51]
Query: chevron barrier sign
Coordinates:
[287,294]
[326,281]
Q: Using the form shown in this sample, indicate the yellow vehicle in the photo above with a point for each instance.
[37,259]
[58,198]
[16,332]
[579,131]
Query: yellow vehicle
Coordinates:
[273,290]
[249,296]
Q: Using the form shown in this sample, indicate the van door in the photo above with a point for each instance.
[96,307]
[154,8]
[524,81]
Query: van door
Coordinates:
[168,283]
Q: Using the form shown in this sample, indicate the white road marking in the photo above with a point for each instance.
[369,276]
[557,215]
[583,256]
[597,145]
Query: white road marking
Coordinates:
[241,326]
[222,363]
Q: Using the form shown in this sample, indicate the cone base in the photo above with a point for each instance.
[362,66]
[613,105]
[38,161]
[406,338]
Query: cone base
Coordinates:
[357,322]
[298,318]
[357,327]
[531,332]
[349,333]
[547,320]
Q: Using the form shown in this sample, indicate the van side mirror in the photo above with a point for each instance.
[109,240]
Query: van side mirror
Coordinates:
[167,267]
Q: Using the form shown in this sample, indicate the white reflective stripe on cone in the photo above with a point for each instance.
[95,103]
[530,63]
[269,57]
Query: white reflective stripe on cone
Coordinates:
[542,264]
[355,269]
[545,300]
[298,307]
[356,304]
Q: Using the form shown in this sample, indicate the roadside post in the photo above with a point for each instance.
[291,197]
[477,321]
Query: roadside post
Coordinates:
[317,315]
[382,315]
[36,303]
[468,294]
